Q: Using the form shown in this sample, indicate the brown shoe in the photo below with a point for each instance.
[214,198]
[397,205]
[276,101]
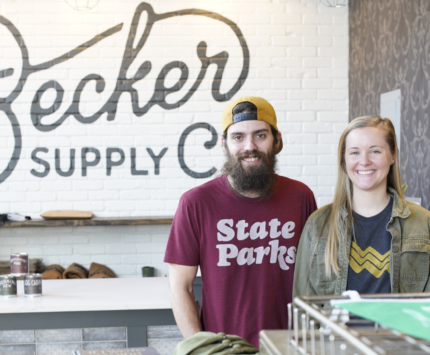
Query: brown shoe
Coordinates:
[75,271]
[99,271]
[53,272]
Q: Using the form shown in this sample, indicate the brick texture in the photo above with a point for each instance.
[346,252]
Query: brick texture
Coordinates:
[128,165]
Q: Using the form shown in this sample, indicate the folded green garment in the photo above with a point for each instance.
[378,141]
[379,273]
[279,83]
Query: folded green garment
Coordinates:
[207,343]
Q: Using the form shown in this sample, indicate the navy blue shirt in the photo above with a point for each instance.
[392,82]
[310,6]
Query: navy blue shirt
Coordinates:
[369,261]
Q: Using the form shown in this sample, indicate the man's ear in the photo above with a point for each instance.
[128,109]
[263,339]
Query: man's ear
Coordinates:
[223,143]
[279,136]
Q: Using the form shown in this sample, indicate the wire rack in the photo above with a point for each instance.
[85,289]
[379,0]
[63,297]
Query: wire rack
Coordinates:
[323,329]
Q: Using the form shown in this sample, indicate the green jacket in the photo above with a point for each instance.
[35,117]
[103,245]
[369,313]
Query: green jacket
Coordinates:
[409,256]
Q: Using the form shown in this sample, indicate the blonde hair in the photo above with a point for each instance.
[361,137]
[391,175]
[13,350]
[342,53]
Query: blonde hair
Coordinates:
[343,192]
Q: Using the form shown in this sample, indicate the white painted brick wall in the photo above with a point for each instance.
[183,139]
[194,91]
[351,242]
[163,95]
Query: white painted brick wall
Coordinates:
[125,249]
[299,61]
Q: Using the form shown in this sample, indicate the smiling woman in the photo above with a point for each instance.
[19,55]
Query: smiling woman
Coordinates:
[369,239]
[368,160]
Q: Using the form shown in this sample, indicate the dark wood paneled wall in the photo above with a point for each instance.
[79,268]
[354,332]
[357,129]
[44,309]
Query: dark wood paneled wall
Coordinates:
[389,49]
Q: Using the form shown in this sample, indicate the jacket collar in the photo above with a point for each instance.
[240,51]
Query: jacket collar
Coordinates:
[400,206]
[344,211]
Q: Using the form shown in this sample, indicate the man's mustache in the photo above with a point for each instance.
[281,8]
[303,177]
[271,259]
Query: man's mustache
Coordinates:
[251,154]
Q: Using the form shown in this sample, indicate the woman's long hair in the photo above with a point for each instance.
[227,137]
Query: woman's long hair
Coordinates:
[343,192]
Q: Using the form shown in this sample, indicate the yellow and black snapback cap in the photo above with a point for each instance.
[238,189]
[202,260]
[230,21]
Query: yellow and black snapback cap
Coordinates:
[265,112]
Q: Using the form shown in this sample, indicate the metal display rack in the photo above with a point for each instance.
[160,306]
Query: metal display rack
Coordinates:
[323,329]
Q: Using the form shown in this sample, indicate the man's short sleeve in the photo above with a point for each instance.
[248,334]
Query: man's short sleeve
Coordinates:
[310,205]
[183,246]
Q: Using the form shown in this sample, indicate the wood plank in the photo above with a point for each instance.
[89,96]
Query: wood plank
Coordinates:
[97,221]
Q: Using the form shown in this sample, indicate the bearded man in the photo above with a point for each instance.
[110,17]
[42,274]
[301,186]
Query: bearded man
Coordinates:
[242,229]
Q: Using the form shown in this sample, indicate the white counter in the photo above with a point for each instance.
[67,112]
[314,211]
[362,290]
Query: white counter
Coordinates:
[92,295]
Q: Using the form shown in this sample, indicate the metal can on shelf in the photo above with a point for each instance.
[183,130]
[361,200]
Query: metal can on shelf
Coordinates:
[19,264]
[7,286]
[33,285]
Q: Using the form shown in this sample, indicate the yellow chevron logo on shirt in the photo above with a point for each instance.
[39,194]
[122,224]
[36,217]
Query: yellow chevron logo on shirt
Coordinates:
[369,259]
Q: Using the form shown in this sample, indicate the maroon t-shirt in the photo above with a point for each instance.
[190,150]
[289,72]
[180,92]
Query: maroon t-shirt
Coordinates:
[246,251]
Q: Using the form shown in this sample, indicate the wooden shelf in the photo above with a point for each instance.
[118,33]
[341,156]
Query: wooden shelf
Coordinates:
[97,221]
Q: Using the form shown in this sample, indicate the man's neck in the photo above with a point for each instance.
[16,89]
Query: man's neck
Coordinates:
[248,194]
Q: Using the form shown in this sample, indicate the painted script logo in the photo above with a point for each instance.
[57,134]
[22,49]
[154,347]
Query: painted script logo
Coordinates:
[124,82]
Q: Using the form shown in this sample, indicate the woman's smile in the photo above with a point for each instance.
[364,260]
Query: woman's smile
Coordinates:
[365,172]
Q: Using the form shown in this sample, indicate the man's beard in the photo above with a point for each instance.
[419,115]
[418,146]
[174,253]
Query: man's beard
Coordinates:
[259,179]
